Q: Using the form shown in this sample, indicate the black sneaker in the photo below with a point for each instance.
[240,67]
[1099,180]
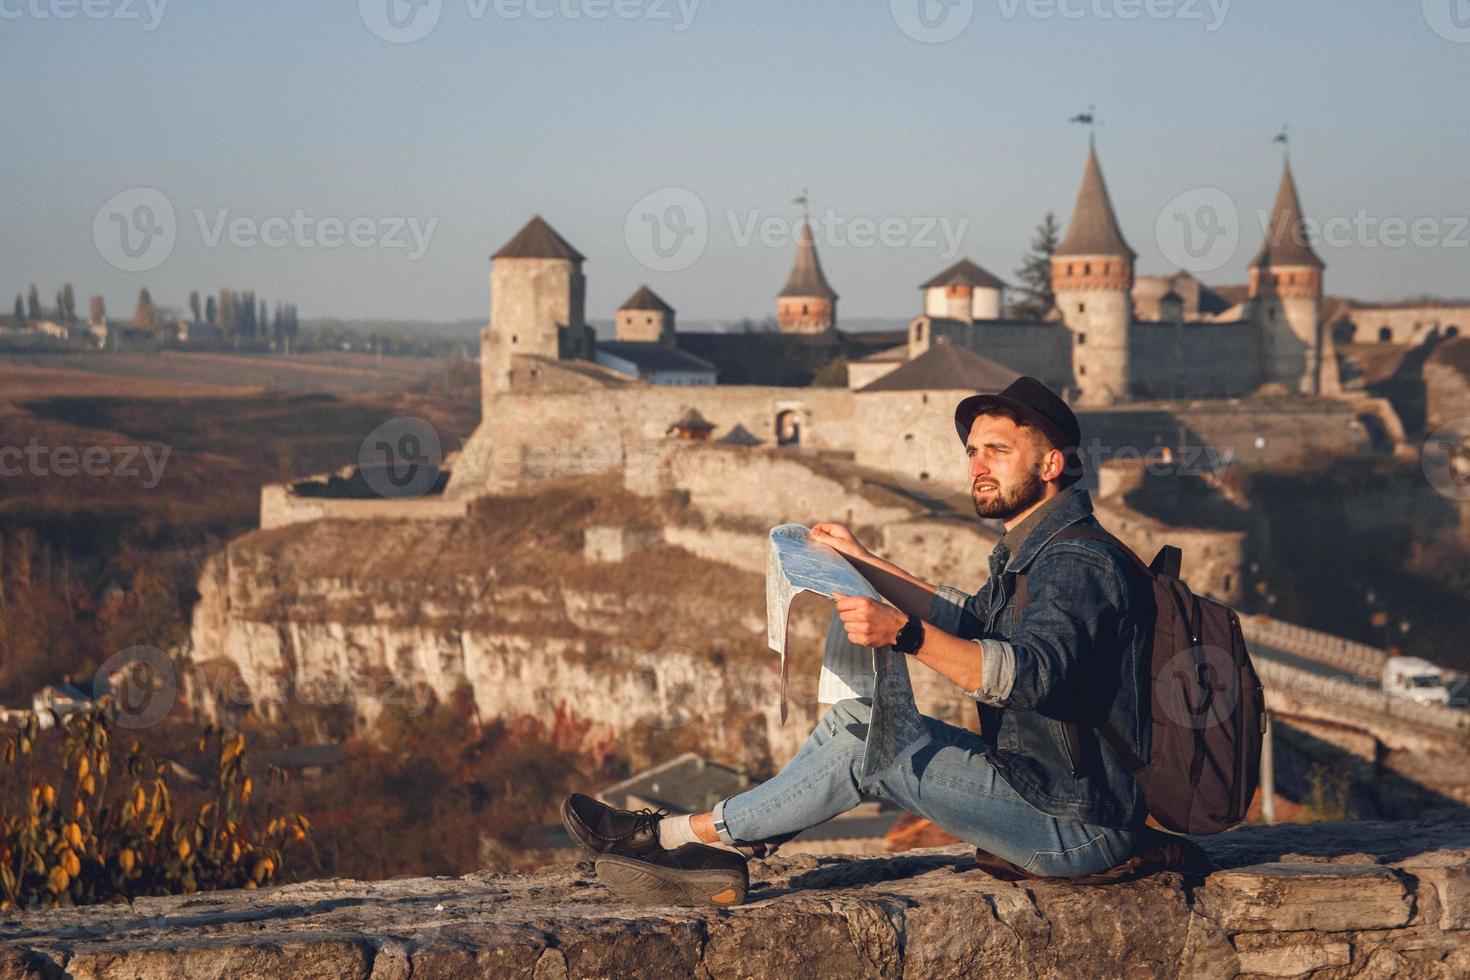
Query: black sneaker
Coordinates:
[694,874]
[607,830]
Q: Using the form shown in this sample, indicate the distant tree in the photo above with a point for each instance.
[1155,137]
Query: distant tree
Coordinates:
[245,306]
[145,317]
[68,303]
[98,310]
[211,310]
[292,324]
[1037,300]
[60,312]
[194,305]
[20,308]
[227,320]
[263,319]
[33,301]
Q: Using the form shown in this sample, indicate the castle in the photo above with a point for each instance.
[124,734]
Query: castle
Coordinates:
[1114,336]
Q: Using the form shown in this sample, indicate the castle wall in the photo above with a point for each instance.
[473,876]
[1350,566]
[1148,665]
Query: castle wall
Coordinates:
[910,436]
[1041,350]
[1408,324]
[527,437]
[1204,360]
[279,506]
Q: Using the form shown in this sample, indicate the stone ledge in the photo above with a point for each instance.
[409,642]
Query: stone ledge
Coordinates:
[1330,900]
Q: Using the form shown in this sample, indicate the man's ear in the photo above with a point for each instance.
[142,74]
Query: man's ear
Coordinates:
[1053,464]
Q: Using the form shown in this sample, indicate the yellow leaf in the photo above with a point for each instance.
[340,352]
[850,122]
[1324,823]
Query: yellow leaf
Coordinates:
[57,880]
[140,799]
[183,849]
[245,789]
[72,835]
[48,795]
[84,766]
[71,863]
[89,786]
[126,859]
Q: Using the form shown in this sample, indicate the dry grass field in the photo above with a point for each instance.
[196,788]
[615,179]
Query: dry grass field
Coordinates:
[120,473]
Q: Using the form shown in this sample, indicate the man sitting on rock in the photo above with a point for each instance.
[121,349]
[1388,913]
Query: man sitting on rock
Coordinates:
[1026,789]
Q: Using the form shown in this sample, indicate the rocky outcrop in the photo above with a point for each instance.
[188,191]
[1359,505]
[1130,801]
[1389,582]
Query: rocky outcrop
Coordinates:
[1326,900]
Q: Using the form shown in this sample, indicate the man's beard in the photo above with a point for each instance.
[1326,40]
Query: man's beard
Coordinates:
[1007,502]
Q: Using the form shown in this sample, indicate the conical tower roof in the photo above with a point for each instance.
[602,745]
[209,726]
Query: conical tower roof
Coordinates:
[646,299]
[807,278]
[538,240]
[1287,240]
[1093,229]
[965,273]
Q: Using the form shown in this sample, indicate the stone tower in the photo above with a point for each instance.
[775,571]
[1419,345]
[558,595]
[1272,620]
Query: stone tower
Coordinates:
[808,304]
[537,304]
[645,318]
[1092,277]
[1286,297]
[964,291]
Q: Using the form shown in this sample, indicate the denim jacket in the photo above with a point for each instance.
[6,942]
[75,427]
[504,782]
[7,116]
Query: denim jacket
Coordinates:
[1078,651]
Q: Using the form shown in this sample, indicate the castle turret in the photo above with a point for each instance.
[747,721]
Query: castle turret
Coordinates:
[808,304]
[537,304]
[645,318]
[964,291]
[1286,292]
[1092,277]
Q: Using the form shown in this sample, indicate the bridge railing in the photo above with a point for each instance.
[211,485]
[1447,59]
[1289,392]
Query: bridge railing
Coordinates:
[1315,689]
[1334,651]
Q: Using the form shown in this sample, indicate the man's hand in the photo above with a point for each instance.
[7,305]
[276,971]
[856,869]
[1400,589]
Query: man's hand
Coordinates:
[869,623]
[839,538]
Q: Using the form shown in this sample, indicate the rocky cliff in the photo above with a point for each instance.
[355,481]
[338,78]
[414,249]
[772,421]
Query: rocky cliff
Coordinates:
[1327,901]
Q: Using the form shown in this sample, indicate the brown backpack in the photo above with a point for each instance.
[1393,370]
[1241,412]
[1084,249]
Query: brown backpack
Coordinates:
[1207,709]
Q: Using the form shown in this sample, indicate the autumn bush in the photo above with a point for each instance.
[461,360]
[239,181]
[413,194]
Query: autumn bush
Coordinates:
[80,828]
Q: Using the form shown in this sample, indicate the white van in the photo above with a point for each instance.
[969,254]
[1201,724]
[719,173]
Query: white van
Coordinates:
[1415,679]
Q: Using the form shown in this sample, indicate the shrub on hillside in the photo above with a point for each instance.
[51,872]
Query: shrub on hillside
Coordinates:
[86,831]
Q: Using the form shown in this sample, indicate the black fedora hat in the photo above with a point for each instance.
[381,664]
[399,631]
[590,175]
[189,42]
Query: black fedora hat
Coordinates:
[1036,404]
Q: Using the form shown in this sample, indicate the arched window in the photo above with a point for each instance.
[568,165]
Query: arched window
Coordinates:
[919,332]
[1385,335]
[1081,339]
[1087,268]
[803,307]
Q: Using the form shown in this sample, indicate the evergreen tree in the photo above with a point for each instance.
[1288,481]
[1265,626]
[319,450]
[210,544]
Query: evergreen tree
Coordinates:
[60,312]
[263,320]
[1037,300]
[68,304]
[33,302]
[227,322]
[194,305]
[20,308]
[211,310]
[145,317]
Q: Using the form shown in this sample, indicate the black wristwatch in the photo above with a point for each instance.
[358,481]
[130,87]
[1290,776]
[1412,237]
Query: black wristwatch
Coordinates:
[911,637]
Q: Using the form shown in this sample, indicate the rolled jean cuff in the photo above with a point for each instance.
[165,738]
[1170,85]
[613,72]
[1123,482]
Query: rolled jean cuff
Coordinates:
[719,815]
[997,672]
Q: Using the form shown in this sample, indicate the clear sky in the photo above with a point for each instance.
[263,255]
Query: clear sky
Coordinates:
[269,126]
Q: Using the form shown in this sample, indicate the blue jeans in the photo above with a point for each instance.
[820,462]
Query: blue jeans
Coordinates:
[948,781]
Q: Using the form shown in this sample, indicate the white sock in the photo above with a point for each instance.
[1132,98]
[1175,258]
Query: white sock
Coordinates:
[676,831]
